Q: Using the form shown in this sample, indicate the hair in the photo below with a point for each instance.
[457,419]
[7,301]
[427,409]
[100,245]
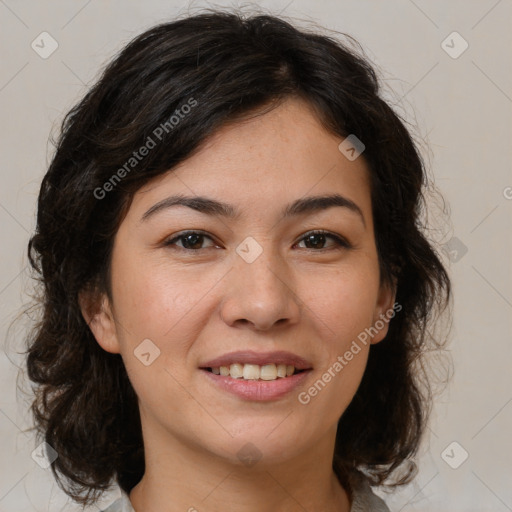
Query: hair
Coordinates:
[224,66]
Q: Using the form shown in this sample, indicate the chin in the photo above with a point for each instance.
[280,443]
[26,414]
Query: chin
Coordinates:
[264,443]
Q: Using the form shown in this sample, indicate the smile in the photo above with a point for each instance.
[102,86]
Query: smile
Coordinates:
[256,376]
[248,371]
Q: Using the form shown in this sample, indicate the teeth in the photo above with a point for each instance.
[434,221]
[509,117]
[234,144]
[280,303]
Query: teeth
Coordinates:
[251,372]
[281,370]
[269,371]
[236,371]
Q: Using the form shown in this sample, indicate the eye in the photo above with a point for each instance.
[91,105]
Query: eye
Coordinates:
[191,240]
[317,238]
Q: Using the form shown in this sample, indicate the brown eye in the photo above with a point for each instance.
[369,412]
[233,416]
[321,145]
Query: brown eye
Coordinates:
[191,240]
[316,240]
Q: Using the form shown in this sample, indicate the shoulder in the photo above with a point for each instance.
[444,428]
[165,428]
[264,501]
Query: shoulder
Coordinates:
[364,499]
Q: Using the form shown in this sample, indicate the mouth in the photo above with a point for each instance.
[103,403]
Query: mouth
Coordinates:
[251,365]
[257,376]
[266,372]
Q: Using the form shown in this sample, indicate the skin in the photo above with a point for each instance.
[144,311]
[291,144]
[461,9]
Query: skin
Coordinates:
[195,306]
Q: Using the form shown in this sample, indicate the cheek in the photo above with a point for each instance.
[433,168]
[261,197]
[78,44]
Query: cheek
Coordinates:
[169,308]
[342,305]
[331,393]
[154,300]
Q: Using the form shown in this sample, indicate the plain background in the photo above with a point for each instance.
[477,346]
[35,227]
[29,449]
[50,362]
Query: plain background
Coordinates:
[461,107]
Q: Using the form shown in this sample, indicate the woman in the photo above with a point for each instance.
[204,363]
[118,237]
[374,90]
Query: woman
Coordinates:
[236,282]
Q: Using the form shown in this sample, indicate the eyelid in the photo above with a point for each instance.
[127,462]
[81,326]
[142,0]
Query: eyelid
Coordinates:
[181,234]
[340,241]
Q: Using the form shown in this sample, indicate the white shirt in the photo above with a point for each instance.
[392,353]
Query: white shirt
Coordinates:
[364,501]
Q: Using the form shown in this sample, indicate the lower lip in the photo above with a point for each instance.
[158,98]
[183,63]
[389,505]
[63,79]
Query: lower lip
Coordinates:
[258,390]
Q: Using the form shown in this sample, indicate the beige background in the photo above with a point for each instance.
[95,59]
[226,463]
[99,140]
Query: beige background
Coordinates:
[462,107]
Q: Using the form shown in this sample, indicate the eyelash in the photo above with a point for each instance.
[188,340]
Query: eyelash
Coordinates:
[341,243]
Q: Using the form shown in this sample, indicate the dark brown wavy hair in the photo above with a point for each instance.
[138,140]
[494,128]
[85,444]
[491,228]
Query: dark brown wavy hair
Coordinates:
[231,65]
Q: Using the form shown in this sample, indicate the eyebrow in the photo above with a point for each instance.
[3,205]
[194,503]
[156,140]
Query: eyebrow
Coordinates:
[208,206]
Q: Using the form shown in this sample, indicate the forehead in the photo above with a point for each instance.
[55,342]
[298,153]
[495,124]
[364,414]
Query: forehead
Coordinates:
[263,161]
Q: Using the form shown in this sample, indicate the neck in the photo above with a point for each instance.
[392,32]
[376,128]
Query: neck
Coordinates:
[181,477]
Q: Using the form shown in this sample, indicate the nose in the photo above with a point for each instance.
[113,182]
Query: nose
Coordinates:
[260,294]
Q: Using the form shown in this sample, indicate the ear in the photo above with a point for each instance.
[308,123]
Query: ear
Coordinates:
[97,312]
[385,309]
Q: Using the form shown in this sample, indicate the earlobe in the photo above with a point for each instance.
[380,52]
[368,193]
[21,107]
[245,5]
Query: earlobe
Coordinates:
[100,319]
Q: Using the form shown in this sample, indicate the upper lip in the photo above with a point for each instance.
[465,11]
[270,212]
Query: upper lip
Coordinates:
[259,358]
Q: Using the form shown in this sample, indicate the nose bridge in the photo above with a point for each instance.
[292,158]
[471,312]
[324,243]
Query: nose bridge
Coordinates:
[261,291]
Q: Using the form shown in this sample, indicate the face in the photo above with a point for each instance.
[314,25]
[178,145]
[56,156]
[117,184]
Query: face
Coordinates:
[252,287]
